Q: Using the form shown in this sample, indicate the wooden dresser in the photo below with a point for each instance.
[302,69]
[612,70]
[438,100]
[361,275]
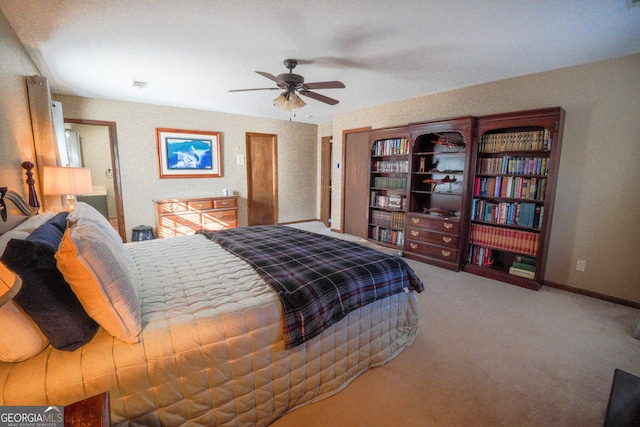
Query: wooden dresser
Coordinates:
[179,217]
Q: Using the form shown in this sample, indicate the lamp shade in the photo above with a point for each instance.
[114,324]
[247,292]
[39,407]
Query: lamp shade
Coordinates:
[289,101]
[10,284]
[64,181]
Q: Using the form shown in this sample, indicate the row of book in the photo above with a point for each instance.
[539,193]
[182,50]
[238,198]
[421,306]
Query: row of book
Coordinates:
[523,214]
[516,141]
[387,219]
[396,166]
[480,255]
[390,147]
[394,237]
[514,165]
[393,183]
[511,187]
[525,242]
[392,201]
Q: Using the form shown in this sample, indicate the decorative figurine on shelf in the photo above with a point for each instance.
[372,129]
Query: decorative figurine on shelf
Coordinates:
[448,142]
[422,165]
[436,182]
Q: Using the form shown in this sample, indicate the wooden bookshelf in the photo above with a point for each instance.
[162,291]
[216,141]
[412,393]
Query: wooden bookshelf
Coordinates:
[388,173]
[515,166]
[438,191]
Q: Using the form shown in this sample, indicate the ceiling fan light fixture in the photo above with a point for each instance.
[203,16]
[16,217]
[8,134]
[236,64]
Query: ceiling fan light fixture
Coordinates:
[289,101]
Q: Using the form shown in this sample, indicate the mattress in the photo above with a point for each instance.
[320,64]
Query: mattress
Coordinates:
[212,349]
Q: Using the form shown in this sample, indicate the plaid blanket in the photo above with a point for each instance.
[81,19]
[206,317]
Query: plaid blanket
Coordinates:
[319,279]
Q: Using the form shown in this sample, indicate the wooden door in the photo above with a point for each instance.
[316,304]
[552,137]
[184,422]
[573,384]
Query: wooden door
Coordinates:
[356,182]
[262,179]
[325,184]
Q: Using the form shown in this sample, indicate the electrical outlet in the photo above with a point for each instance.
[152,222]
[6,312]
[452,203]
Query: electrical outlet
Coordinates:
[581,265]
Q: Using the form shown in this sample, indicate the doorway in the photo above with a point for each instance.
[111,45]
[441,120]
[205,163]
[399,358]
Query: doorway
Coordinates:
[101,136]
[356,155]
[325,180]
[262,179]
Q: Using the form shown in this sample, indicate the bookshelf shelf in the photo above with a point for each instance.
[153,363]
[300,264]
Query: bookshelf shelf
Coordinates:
[515,165]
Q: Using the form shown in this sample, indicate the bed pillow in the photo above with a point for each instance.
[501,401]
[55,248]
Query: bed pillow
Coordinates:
[99,274]
[45,296]
[20,337]
[86,212]
[34,222]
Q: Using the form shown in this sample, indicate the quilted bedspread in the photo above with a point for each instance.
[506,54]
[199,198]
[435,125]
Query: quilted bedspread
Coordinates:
[212,347]
[318,278]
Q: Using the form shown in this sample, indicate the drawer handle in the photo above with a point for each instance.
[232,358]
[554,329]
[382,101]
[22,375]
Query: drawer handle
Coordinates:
[201,205]
[446,253]
[413,246]
[446,239]
[415,233]
[225,203]
[181,220]
[415,220]
[448,225]
[220,216]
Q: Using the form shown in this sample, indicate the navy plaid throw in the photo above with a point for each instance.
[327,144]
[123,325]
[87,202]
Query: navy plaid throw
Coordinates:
[319,279]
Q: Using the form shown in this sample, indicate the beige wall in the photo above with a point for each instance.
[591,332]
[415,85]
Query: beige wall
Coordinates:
[136,129]
[597,210]
[16,137]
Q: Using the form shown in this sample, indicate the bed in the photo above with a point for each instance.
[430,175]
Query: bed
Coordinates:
[189,330]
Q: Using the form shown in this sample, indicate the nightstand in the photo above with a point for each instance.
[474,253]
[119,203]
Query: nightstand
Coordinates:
[93,411]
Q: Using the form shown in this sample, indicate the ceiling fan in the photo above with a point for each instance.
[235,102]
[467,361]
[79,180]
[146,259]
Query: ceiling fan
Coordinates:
[292,83]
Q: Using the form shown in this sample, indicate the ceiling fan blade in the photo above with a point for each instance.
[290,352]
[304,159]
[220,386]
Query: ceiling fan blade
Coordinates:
[325,85]
[260,88]
[272,77]
[319,97]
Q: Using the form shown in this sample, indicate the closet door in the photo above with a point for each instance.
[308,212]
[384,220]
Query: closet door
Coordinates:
[356,183]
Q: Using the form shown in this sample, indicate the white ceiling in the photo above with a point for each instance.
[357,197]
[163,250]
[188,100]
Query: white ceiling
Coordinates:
[192,52]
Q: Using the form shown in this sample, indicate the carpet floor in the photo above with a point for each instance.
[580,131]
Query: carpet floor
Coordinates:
[490,354]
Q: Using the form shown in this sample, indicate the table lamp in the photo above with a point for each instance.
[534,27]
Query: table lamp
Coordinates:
[66,181]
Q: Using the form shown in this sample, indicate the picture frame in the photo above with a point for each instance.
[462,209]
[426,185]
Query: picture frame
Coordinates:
[188,153]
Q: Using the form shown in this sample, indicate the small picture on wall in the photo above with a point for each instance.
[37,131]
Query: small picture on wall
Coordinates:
[188,153]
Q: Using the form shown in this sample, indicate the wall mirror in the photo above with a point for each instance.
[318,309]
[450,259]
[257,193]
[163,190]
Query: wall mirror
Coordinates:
[93,144]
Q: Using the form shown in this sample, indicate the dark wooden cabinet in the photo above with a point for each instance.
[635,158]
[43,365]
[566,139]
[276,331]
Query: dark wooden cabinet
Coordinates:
[388,172]
[515,170]
[438,191]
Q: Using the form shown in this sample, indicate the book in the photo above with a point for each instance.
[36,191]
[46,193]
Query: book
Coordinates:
[523,266]
[522,273]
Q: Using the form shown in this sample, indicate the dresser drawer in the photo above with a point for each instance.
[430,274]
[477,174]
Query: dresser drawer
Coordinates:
[179,224]
[218,220]
[173,206]
[224,203]
[200,205]
[428,236]
[431,250]
[436,224]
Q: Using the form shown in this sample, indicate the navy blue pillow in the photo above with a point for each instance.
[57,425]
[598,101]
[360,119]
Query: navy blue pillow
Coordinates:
[45,295]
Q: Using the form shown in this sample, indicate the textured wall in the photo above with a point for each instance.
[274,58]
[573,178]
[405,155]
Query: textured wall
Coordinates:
[136,125]
[597,210]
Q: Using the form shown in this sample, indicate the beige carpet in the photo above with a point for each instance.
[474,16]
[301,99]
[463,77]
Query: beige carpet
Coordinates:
[490,354]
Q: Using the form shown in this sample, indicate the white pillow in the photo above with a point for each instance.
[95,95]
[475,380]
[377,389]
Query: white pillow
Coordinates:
[34,222]
[98,272]
[86,212]
[20,337]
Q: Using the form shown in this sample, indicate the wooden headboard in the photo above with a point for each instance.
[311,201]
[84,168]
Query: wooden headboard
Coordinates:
[12,215]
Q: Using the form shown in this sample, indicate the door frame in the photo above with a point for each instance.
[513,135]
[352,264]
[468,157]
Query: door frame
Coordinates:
[325,179]
[115,164]
[345,132]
